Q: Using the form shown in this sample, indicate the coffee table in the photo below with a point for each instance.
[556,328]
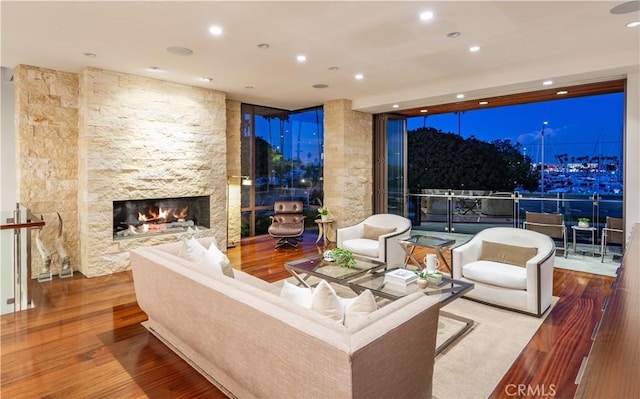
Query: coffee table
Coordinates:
[316,266]
[448,290]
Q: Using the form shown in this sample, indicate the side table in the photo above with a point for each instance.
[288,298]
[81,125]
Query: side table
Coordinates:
[436,243]
[590,229]
[322,229]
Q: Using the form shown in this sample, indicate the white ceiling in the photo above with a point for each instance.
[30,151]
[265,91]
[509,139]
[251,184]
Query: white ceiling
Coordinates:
[404,60]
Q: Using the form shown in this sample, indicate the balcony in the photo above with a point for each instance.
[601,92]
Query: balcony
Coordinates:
[464,213]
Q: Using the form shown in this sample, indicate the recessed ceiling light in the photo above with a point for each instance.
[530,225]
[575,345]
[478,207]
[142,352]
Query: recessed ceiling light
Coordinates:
[206,79]
[359,76]
[424,111]
[154,69]
[180,50]
[474,49]
[215,30]
[90,54]
[561,92]
[453,34]
[460,96]
[547,83]
[426,16]
[301,58]
[483,102]
[633,24]
[263,46]
[320,86]
[395,106]
[625,8]
[333,68]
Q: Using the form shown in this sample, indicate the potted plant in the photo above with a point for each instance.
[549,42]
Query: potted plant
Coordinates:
[323,213]
[583,222]
[343,257]
[424,278]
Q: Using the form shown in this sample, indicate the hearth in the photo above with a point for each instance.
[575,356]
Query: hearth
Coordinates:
[144,217]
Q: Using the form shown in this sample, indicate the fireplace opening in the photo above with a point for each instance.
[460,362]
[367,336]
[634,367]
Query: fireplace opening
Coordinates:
[144,217]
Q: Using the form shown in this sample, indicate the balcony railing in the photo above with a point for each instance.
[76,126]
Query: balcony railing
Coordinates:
[470,211]
[15,239]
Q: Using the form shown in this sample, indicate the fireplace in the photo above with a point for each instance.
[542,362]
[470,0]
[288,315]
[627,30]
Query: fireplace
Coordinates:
[144,217]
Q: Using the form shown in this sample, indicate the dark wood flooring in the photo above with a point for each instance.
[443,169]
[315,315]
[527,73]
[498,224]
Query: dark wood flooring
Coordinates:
[84,339]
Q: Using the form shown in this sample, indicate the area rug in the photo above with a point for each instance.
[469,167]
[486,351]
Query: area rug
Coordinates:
[584,261]
[473,365]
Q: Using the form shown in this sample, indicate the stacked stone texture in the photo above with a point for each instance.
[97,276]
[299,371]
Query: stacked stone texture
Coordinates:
[47,146]
[234,168]
[348,166]
[142,138]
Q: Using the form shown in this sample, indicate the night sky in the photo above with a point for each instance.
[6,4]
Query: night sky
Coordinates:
[584,126]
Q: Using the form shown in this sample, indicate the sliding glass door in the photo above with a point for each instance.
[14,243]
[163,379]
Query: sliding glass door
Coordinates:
[390,148]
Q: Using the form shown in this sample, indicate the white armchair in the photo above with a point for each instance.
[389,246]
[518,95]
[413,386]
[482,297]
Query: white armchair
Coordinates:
[511,268]
[376,238]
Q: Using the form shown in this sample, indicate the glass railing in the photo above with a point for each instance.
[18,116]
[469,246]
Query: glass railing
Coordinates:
[470,211]
[15,241]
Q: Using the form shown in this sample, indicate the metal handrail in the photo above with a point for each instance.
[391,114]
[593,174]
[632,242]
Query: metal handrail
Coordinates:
[22,286]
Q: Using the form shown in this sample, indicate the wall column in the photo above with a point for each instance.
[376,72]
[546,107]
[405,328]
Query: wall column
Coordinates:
[348,163]
[234,168]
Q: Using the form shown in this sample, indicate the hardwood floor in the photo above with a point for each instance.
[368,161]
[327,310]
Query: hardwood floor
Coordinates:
[84,339]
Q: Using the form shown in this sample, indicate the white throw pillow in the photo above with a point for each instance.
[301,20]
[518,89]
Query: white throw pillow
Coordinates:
[344,310]
[356,309]
[326,302]
[195,252]
[216,256]
[299,295]
[191,249]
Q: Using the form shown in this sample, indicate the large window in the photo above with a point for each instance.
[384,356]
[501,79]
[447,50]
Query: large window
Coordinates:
[564,146]
[282,152]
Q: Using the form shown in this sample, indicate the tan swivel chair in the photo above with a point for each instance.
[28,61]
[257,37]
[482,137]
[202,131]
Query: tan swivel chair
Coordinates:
[612,233]
[551,224]
[287,223]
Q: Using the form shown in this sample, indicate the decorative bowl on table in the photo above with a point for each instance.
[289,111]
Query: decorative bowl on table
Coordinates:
[434,278]
[328,256]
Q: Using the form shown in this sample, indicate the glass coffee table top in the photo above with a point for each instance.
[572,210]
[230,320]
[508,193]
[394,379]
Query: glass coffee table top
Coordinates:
[331,271]
[429,241]
[447,290]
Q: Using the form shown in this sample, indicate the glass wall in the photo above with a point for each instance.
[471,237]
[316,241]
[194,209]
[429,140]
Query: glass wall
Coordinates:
[396,166]
[282,152]
[562,156]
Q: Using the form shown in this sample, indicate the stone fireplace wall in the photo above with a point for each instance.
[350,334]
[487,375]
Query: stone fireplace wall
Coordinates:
[46,106]
[85,140]
[144,138]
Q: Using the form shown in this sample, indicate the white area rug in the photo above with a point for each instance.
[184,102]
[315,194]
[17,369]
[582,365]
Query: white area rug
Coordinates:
[473,365]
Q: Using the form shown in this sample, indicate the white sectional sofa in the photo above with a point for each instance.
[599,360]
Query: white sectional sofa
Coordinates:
[249,342]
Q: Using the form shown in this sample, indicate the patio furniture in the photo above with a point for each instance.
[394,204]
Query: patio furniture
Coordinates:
[612,233]
[551,224]
[501,205]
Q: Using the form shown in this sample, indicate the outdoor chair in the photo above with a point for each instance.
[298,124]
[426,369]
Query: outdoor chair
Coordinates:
[612,233]
[551,224]
[287,223]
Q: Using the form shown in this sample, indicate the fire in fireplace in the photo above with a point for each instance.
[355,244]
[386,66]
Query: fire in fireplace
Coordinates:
[134,218]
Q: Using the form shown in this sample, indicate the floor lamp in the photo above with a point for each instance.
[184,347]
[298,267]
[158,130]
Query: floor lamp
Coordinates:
[244,181]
